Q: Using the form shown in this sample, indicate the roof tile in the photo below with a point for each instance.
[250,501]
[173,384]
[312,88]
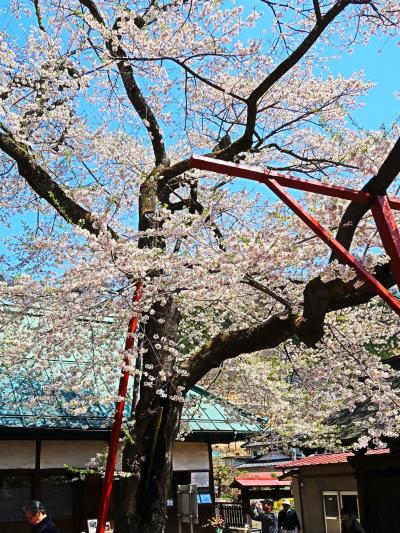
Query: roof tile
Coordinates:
[326,459]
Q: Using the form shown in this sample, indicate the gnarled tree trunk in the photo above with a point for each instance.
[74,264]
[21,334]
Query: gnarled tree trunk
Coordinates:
[142,508]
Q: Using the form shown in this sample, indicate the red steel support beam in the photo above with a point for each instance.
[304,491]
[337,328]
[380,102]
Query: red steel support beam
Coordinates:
[118,416]
[263,176]
[339,250]
[381,210]
[389,233]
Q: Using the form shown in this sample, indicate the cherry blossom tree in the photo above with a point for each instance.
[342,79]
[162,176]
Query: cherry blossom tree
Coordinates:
[102,103]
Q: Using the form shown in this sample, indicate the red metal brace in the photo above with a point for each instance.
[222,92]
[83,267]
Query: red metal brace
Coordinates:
[389,232]
[380,206]
[118,415]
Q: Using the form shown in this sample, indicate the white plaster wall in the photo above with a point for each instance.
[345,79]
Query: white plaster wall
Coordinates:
[17,454]
[190,456]
[315,480]
[57,453]
[296,496]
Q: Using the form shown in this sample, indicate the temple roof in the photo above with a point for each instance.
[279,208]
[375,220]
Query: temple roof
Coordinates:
[210,417]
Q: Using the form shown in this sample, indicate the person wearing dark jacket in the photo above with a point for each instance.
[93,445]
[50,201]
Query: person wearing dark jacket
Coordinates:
[288,521]
[36,515]
[349,522]
[265,515]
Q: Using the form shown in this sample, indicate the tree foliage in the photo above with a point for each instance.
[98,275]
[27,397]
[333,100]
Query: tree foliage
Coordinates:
[102,103]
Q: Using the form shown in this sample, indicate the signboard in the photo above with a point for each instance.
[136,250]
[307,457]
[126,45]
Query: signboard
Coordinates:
[92,525]
[200,479]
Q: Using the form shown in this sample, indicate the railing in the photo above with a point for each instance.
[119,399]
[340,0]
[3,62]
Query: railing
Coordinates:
[232,513]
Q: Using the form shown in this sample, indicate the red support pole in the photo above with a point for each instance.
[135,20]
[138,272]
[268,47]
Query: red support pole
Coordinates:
[263,176]
[339,250]
[286,180]
[118,415]
[389,233]
[381,209]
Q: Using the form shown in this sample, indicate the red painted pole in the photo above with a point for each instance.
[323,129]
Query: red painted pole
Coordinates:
[263,175]
[339,250]
[389,232]
[118,415]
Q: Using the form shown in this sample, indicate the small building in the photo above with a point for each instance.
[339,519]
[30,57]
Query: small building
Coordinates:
[365,483]
[261,459]
[34,450]
[261,485]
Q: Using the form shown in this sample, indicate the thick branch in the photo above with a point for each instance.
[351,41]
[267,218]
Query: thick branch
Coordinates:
[45,187]
[377,185]
[39,15]
[244,142]
[319,299]
[297,54]
[317,10]
[287,64]
[228,345]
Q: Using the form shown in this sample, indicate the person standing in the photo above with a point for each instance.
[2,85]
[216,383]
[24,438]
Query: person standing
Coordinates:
[264,513]
[349,522]
[288,521]
[36,515]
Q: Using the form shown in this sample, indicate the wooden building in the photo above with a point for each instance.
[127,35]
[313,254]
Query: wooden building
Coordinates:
[367,484]
[261,485]
[34,449]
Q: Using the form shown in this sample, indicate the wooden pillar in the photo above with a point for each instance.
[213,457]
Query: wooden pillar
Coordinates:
[36,492]
[245,497]
[211,472]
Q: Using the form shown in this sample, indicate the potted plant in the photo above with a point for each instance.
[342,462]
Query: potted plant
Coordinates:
[217,523]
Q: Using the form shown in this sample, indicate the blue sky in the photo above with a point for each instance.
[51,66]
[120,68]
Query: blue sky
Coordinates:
[379,60]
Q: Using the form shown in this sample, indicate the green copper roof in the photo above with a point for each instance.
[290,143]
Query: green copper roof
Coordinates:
[209,414]
[22,405]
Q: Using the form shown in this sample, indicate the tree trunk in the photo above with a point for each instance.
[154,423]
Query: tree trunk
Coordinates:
[142,506]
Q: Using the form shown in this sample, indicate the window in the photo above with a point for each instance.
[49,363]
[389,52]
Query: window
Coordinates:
[349,500]
[331,505]
[56,493]
[333,501]
[15,491]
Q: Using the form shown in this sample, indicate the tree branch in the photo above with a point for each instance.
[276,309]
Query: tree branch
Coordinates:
[319,299]
[259,286]
[317,11]
[133,91]
[316,162]
[45,187]
[244,142]
[377,185]
[228,345]
[288,63]
[39,15]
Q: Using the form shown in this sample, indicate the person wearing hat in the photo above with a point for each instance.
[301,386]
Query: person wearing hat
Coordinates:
[263,512]
[288,521]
